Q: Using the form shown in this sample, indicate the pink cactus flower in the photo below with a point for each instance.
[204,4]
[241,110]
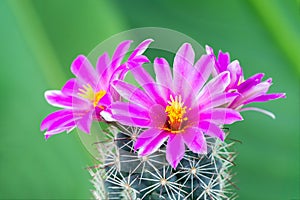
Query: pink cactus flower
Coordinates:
[89,95]
[250,90]
[176,109]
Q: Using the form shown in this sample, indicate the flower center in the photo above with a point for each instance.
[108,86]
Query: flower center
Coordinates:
[87,92]
[175,111]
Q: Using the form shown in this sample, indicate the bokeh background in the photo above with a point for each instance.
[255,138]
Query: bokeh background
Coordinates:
[40,38]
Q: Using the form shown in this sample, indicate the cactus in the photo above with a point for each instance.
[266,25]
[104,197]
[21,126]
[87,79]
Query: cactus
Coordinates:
[122,174]
[165,136]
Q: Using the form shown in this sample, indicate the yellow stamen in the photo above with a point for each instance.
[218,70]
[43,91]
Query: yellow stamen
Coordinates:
[98,96]
[87,92]
[175,111]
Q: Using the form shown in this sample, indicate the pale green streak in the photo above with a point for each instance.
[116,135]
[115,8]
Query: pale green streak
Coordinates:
[35,35]
[281,29]
[37,39]
[43,51]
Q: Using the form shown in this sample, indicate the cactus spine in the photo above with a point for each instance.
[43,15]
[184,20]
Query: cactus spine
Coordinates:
[122,174]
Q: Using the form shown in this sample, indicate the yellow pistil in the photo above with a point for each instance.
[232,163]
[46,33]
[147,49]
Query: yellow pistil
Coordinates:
[175,111]
[87,92]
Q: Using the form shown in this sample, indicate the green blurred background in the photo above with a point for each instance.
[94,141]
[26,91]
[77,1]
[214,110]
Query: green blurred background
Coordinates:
[39,39]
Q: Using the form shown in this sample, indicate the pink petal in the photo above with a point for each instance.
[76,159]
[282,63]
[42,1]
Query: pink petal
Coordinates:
[105,79]
[106,100]
[119,53]
[257,90]
[138,60]
[163,72]
[250,82]
[130,114]
[175,150]
[201,72]
[117,74]
[132,121]
[158,116]
[193,115]
[102,64]
[145,137]
[85,122]
[192,85]
[214,86]
[223,61]
[129,110]
[157,93]
[194,139]
[209,50]
[221,116]
[182,66]
[70,86]
[236,74]
[51,118]
[141,76]
[154,144]
[61,122]
[114,94]
[216,69]
[250,93]
[58,99]
[84,71]
[212,130]
[266,97]
[188,93]
[141,48]
[110,69]
[217,100]
[133,94]
[122,70]
[67,127]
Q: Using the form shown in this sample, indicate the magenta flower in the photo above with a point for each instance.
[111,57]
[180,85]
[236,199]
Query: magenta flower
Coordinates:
[178,109]
[89,95]
[250,90]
